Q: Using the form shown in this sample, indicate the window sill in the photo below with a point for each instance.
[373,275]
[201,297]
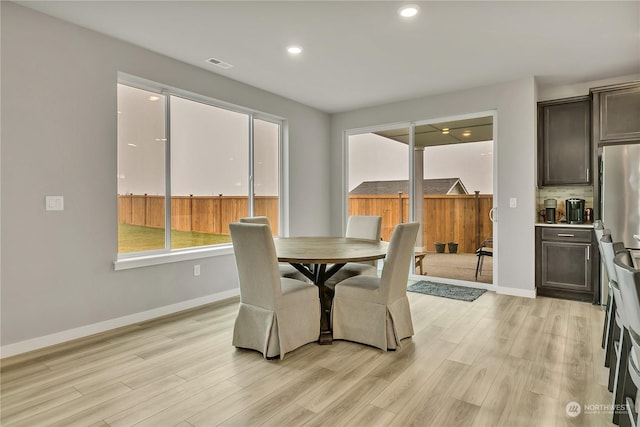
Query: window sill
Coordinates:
[165,258]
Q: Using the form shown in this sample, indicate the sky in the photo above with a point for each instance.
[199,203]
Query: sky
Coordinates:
[375,158]
[209,152]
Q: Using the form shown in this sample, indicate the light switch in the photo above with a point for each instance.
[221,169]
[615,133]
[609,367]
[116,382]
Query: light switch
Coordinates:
[513,202]
[54,203]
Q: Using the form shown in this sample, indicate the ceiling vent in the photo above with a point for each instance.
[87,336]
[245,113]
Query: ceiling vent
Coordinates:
[219,63]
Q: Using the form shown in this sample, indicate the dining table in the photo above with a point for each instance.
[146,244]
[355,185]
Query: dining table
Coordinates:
[319,258]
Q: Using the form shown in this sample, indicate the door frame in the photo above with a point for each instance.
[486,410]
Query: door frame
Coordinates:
[411,125]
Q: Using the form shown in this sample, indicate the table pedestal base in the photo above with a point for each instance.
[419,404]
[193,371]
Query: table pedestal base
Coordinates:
[326,338]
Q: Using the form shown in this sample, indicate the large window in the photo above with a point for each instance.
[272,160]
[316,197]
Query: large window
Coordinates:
[185,169]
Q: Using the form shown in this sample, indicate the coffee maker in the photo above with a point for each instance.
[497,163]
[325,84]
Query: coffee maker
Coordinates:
[575,211]
[550,210]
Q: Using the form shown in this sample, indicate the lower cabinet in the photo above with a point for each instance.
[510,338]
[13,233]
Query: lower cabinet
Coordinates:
[567,263]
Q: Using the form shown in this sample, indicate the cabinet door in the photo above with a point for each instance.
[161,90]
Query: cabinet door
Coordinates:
[565,145]
[620,115]
[566,266]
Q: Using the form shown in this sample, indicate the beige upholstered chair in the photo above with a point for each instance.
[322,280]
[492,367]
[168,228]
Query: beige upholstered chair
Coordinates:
[276,314]
[286,269]
[359,227]
[375,311]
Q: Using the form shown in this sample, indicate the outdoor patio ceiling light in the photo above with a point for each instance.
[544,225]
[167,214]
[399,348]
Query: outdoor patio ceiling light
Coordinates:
[409,10]
[466,133]
[445,131]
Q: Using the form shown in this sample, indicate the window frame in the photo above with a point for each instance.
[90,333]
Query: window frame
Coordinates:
[166,255]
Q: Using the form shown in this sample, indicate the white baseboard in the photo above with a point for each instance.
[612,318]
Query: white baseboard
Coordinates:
[516,292]
[95,328]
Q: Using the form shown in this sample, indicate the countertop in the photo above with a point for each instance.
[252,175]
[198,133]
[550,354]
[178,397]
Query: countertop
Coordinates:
[564,225]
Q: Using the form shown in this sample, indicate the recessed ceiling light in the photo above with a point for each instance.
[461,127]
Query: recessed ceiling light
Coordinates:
[131,145]
[153,98]
[409,10]
[294,50]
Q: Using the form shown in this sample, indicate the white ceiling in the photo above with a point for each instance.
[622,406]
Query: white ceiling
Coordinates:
[361,53]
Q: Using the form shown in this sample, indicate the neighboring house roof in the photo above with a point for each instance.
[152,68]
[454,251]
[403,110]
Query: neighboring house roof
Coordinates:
[429,186]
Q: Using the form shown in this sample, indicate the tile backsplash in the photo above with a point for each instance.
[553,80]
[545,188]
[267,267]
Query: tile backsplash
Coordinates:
[561,194]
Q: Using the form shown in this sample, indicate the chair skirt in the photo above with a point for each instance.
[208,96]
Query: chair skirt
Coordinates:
[277,332]
[371,323]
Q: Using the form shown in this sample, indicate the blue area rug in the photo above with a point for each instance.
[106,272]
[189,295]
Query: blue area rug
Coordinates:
[447,291]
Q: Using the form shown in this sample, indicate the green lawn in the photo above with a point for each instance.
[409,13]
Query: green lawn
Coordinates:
[135,238]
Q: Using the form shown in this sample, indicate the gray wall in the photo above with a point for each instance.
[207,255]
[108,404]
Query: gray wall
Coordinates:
[59,138]
[515,151]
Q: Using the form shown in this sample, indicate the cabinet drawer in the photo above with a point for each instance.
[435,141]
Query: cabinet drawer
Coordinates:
[567,234]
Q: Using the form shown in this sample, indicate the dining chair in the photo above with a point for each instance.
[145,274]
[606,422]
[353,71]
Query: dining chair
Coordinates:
[276,314]
[620,340]
[629,283]
[608,251]
[485,249]
[285,269]
[358,227]
[375,310]
[607,326]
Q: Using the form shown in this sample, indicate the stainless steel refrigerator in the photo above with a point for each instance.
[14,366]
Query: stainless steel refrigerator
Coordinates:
[621,192]
[620,196]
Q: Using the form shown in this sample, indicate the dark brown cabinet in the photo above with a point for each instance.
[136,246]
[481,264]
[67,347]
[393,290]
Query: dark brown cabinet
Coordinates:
[564,142]
[619,114]
[615,119]
[567,263]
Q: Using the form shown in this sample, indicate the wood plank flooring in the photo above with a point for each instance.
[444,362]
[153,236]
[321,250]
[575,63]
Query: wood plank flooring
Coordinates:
[498,361]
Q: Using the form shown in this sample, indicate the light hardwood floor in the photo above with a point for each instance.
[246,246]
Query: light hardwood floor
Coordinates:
[498,361]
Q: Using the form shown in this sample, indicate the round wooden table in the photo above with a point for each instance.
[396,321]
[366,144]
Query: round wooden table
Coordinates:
[310,256]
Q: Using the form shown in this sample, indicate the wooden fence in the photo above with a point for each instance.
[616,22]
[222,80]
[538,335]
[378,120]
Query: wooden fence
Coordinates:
[203,214]
[455,218]
[447,218]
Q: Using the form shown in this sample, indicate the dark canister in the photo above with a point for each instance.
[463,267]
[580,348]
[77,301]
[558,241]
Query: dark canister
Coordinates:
[550,210]
[575,211]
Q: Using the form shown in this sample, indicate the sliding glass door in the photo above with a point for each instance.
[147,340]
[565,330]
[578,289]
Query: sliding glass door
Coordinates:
[438,174]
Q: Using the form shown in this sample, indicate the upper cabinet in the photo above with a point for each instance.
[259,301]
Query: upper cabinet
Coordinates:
[618,113]
[564,143]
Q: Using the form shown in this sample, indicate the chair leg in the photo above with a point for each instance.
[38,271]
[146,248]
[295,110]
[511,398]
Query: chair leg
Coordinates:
[629,390]
[614,341]
[631,418]
[607,317]
[621,374]
[612,334]
[478,266]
